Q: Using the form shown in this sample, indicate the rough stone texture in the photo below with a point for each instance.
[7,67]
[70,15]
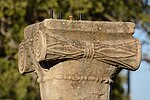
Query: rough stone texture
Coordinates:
[76,60]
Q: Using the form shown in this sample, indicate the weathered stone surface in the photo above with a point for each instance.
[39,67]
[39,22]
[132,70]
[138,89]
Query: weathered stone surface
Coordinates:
[76,60]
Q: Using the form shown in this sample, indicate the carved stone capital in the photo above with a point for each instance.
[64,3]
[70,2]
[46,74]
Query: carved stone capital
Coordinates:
[78,57]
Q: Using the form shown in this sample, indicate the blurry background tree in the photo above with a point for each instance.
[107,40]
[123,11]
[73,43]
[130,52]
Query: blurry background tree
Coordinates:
[15,15]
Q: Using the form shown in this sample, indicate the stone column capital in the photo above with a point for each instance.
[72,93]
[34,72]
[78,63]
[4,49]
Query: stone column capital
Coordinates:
[78,51]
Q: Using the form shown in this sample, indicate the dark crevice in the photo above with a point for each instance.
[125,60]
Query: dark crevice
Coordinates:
[46,64]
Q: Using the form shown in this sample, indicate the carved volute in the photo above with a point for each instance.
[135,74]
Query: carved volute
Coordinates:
[76,60]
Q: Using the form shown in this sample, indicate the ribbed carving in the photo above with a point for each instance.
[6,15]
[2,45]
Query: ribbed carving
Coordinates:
[24,62]
[39,46]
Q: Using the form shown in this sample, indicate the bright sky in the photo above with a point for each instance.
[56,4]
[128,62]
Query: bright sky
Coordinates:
[140,79]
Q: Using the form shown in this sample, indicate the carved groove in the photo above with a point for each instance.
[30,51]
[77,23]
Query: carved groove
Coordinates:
[93,78]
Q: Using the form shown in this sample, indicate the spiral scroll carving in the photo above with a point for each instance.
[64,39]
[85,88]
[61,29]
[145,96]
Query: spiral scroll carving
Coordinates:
[22,59]
[39,46]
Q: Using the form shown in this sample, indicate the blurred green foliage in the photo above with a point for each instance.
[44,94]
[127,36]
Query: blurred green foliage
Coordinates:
[15,15]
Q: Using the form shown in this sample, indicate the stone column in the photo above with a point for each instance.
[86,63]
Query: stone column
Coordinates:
[76,60]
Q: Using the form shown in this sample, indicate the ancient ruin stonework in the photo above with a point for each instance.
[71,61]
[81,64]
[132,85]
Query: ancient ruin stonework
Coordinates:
[76,60]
